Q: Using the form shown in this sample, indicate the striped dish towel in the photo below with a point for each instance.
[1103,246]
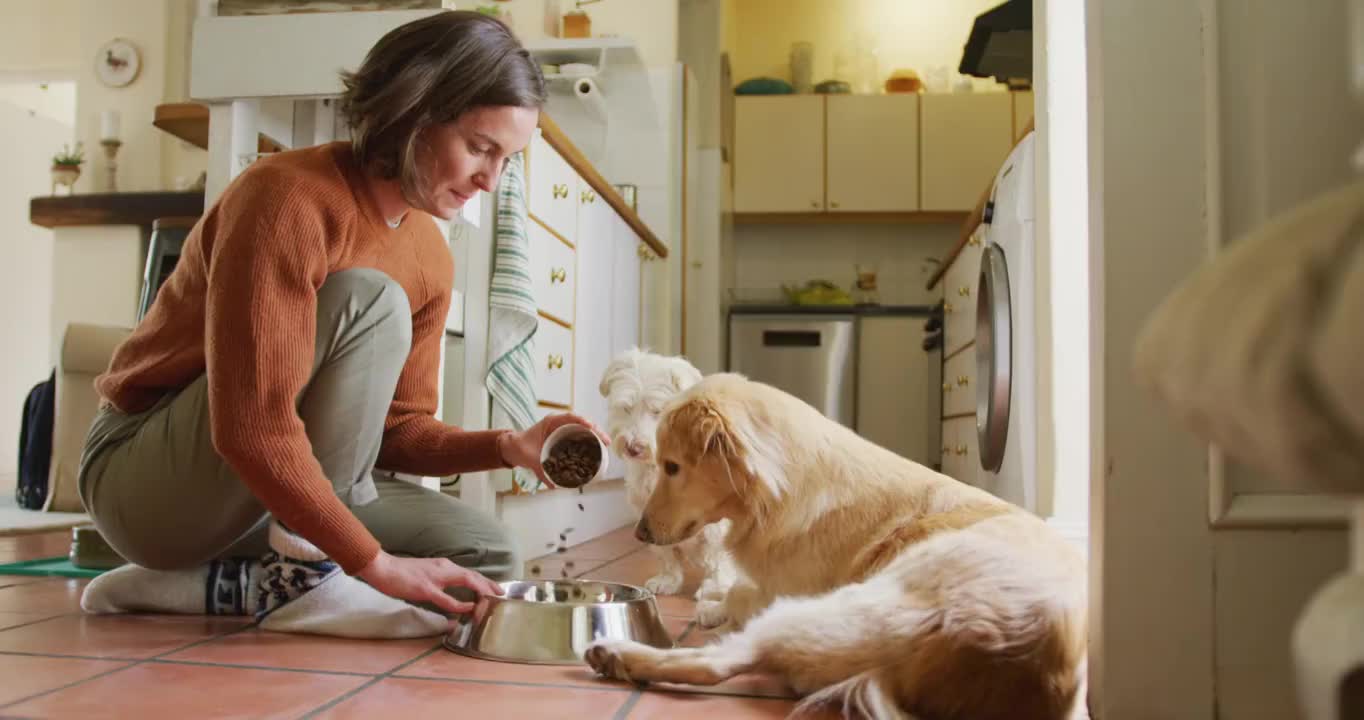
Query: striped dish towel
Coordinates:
[511,314]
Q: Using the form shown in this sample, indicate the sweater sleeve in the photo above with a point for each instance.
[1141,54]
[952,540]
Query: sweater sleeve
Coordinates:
[265,267]
[414,440]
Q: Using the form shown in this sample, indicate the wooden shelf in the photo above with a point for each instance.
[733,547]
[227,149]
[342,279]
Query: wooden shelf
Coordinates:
[189,122]
[863,218]
[134,208]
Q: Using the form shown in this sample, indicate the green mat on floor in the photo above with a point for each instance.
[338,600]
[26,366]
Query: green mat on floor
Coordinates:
[53,567]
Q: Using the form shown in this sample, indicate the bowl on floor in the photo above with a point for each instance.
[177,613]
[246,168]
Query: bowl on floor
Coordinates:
[552,622]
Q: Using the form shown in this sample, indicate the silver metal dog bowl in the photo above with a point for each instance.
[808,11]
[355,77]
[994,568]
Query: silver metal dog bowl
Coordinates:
[552,622]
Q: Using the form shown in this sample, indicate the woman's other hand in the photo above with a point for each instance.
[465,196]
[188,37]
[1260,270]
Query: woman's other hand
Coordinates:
[425,580]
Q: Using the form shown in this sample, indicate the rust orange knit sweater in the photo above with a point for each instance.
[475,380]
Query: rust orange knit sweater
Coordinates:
[241,306]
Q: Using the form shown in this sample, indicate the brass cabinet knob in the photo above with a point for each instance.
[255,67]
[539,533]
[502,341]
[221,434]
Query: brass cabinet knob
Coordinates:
[947,307]
[560,191]
[964,291]
[961,449]
[557,275]
[556,362]
[963,380]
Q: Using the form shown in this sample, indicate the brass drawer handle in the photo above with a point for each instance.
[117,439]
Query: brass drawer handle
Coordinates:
[974,241]
[645,253]
[961,449]
[587,196]
[556,362]
[947,387]
[557,275]
[963,380]
[947,307]
[964,291]
[560,191]
[834,205]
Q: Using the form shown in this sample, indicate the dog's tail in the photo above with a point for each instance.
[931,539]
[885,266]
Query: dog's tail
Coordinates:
[864,696]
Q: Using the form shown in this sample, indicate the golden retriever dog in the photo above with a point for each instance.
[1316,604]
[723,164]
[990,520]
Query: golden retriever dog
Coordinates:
[874,586]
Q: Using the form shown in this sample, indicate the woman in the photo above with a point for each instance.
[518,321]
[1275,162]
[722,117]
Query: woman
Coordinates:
[296,345]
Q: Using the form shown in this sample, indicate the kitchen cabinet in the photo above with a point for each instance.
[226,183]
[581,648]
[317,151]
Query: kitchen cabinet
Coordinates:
[870,155]
[873,153]
[890,356]
[965,138]
[779,153]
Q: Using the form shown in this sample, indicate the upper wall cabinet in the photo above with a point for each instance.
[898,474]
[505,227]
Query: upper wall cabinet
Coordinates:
[965,138]
[779,153]
[871,154]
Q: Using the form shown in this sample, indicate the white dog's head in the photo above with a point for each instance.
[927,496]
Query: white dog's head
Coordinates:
[636,385]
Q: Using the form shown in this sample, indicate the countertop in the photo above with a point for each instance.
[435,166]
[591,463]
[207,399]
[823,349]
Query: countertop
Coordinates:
[858,310]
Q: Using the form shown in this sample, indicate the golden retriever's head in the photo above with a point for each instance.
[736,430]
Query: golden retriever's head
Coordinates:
[718,457]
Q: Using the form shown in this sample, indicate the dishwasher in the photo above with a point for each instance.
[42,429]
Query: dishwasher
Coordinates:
[811,356]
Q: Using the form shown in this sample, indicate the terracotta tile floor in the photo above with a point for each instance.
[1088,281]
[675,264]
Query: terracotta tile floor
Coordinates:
[58,663]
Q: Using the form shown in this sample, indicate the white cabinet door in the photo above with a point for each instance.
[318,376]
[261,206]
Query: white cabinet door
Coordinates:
[626,287]
[959,295]
[890,356]
[964,140]
[592,324]
[779,153]
[553,357]
[551,192]
[553,272]
[873,153]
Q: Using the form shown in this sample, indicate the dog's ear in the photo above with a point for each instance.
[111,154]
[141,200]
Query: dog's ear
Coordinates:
[702,427]
[683,374]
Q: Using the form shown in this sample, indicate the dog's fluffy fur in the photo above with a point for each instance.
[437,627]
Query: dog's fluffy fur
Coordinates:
[878,588]
[637,385]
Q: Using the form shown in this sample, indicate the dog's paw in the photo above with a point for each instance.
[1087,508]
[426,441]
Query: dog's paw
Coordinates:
[663,584]
[610,659]
[710,614]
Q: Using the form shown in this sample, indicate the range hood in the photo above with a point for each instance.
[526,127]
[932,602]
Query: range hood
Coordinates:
[1000,45]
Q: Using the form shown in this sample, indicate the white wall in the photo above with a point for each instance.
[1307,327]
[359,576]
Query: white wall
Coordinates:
[143,22]
[913,34]
[651,23]
[1150,546]
[25,264]
[1062,264]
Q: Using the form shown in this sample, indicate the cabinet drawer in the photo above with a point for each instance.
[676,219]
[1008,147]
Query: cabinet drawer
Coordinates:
[553,357]
[552,189]
[959,443]
[959,383]
[959,295]
[553,272]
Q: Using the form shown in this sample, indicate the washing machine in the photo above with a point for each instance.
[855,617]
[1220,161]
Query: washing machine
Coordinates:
[1006,335]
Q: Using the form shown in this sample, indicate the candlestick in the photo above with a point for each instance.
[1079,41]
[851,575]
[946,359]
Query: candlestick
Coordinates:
[111,168]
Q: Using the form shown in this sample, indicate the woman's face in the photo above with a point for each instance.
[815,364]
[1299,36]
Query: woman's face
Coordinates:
[469,154]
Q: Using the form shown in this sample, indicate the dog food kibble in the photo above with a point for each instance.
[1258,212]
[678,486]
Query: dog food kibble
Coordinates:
[573,462]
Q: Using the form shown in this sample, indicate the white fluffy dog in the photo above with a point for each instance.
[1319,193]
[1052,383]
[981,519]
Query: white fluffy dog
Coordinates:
[637,385]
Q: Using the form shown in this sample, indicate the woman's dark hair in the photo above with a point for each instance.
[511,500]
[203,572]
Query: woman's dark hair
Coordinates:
[427,72]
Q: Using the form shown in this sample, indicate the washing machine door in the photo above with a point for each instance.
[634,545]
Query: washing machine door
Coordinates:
[994,354]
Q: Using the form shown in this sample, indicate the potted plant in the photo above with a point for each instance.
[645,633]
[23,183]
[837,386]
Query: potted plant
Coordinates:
[66,166]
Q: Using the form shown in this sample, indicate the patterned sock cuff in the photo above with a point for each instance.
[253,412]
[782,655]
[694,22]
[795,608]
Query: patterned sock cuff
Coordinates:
[227,584]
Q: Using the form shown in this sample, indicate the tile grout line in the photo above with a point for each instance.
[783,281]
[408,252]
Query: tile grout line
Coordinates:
[628,706]
[370,683]
[514,683]
[35,622]
[111,671]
